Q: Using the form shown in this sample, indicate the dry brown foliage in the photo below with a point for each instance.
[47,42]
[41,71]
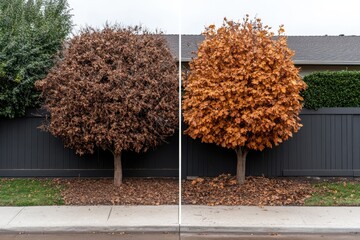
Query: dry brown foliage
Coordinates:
[115,88]
[133,191]
[258,191]
[243,88]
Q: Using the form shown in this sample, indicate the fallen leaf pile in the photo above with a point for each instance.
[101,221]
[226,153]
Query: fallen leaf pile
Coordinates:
[258,191]
[133,191]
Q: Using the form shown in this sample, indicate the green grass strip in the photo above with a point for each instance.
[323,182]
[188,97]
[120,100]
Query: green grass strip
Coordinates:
[335,194]
[30,192]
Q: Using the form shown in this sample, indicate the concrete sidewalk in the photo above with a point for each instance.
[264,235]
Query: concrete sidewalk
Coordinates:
[195,219]
[89,219]
[243,219]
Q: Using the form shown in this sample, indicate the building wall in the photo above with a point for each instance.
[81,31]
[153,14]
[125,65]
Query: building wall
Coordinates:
[307,69]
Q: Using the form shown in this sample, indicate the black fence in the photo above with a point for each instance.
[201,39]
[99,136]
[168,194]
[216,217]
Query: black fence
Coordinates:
[26,151]
[328,144]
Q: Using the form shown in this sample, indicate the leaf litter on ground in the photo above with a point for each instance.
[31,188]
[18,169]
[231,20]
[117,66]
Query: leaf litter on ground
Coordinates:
[258,191]
[133,191]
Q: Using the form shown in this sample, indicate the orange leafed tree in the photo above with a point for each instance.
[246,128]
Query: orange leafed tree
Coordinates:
[242,91]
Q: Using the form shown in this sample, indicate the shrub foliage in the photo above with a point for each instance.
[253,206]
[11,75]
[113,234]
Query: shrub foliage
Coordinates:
[31,33]
[332,89]
[116,88]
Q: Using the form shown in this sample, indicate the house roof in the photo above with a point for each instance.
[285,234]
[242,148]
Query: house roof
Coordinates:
[309,50]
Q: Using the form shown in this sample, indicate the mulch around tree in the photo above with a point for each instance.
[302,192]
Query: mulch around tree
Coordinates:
[133,191]
[257,191]
[211,191]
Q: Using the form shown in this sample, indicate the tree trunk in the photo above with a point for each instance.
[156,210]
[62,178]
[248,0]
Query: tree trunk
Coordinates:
[117,170]
[241,153]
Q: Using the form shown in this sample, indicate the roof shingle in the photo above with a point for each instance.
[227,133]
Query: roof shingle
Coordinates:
[309,50]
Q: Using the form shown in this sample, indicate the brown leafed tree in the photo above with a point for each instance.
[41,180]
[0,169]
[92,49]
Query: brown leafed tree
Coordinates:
[242,91]
[115,89]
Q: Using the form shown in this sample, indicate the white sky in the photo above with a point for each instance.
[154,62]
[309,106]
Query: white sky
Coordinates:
[304,17]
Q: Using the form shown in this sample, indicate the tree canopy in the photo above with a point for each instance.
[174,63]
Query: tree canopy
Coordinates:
[31,33]
[115,88]
[243,90]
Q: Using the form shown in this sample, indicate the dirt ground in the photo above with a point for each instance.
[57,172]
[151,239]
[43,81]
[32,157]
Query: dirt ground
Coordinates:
[133,191]
[221,190]
[258,191]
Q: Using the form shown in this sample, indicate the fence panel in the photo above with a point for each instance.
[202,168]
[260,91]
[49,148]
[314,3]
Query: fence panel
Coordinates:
[328,144]
[26,151]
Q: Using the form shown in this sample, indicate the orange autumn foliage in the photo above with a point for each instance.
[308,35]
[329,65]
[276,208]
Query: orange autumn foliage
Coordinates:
[243,88]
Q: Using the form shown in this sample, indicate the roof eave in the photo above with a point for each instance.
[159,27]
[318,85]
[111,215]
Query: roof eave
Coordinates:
[319,62]
[310,62]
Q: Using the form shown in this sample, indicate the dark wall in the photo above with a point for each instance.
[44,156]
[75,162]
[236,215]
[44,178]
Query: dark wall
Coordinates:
[328,144]
[25,150]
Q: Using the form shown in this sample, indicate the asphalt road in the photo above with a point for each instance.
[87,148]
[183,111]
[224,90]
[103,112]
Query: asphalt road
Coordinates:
[175,236]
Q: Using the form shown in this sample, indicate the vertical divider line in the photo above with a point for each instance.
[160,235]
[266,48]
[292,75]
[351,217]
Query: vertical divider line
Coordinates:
[180,116]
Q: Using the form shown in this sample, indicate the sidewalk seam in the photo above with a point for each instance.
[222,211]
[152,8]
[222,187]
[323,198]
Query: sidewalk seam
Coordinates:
[15,216]
[109,214]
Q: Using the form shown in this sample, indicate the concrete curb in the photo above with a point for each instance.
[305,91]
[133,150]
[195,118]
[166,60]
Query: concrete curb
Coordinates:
[91,229]
[266,230]
[179,229]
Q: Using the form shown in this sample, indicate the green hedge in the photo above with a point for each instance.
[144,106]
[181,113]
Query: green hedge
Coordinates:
[332,89]
[31,34]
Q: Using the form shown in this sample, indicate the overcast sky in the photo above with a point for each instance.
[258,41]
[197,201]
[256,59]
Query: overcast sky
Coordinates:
[305,17]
